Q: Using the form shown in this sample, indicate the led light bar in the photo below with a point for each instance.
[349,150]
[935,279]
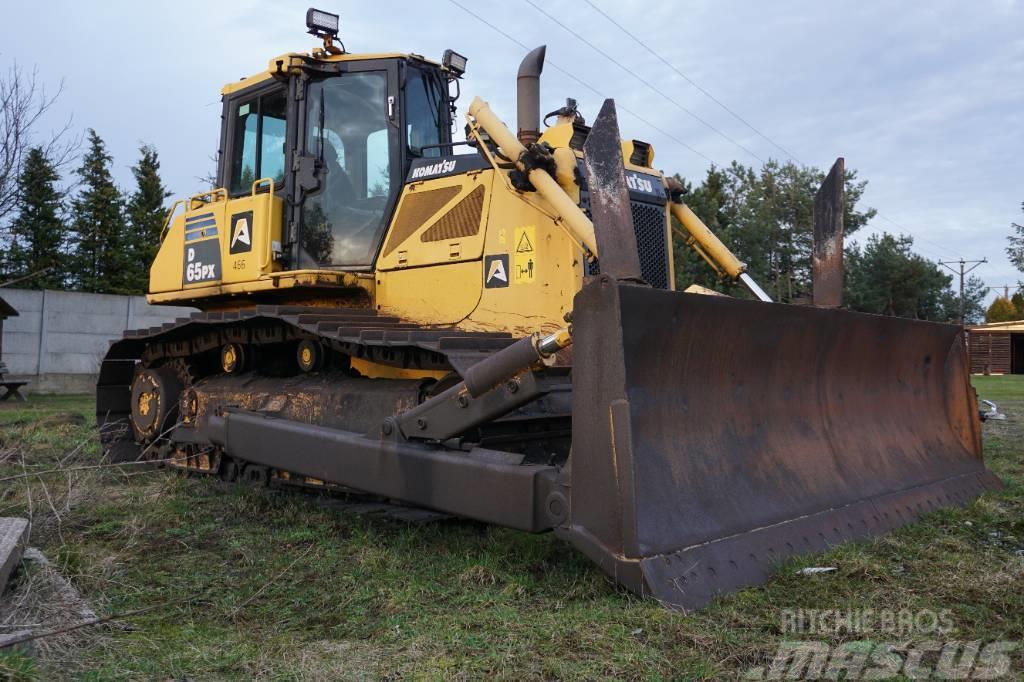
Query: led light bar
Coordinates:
[322,23]
[454,62]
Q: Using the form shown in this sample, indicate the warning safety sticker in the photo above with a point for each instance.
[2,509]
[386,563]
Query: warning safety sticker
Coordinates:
[524,257]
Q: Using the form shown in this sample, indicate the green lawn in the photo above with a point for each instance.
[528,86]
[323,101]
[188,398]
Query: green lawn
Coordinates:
[268,584]
[996,389]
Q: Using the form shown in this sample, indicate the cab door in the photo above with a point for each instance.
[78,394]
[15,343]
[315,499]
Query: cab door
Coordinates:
[254,175]
[351,127]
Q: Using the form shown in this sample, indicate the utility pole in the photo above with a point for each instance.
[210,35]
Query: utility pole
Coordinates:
[963,273]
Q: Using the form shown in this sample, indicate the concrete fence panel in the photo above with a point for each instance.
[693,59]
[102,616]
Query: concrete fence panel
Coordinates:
[59,338]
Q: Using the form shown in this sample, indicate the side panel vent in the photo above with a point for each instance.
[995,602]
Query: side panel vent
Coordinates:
[417,209]
[463,220]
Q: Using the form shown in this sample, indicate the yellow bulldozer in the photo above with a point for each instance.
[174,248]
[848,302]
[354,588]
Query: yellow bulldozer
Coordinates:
[490,329]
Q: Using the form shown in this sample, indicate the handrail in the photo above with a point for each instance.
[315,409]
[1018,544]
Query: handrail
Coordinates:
[213,194]
[268,251]
[169,218]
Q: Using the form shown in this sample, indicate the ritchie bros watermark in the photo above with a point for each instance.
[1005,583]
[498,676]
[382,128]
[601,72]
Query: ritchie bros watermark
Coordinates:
[917,644]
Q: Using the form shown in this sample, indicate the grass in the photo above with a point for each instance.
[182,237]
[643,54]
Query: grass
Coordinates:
[268,584]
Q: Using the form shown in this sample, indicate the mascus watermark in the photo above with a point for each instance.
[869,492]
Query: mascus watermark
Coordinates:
[870,660]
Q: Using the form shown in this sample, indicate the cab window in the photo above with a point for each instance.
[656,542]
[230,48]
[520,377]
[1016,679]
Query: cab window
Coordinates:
[425,116]
[259,139]
[349,130]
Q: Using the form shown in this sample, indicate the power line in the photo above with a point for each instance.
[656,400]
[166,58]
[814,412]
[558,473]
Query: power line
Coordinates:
[587,85]
[640,78]
[693,83]
[648,122]
[735,115]
[926,241]
[963,273]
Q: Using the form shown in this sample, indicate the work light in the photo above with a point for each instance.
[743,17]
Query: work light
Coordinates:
[322,23]
[454,62]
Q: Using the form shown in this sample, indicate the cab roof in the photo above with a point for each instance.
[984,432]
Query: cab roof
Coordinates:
[273,66]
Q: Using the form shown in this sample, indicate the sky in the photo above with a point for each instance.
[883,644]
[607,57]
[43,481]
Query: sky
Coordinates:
[924,98]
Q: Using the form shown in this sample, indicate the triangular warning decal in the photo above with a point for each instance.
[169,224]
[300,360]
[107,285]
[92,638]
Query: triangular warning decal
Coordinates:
[524,245]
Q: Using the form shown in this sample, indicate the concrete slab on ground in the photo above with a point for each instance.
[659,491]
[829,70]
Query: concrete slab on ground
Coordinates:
[13,536]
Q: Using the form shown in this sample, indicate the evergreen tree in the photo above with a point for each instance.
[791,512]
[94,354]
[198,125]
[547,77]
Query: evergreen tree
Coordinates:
[97,218]
[887,278]
[1001,310]
[975,292]
[37,236]
[1015,250]
[145,219]
[766,218]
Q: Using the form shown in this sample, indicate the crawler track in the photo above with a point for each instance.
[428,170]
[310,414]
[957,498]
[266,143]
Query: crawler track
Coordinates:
[193,344]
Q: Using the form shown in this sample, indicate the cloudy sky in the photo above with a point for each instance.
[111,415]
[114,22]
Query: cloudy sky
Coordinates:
[924,98]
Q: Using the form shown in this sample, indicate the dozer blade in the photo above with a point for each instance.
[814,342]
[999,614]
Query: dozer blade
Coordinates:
[713,437]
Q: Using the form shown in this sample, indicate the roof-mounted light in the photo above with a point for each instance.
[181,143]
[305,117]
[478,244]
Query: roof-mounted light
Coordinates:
[454,62]
[322,24]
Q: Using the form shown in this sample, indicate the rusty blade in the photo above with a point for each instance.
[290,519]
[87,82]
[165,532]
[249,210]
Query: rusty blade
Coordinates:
[609,197]
[827,254]
[713,437]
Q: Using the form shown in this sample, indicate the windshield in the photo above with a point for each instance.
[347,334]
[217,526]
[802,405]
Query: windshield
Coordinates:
[347,125]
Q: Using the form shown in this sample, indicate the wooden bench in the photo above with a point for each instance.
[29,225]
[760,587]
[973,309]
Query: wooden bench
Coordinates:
[11,389]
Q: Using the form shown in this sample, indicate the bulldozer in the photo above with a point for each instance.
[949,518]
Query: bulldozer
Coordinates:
[490,329]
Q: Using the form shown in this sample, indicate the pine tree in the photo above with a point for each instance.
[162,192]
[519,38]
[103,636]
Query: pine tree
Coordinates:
[99,258]
[766,218]
[38,235]
[887,278]
[145,214]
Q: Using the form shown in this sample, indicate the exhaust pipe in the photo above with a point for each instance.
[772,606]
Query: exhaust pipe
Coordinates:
[528,95]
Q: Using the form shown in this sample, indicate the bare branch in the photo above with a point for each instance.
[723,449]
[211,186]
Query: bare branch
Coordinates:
[24,103]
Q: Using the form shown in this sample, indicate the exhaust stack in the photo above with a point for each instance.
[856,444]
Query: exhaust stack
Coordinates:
[528,96]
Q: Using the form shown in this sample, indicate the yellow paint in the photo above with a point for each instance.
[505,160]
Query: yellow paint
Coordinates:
[292,60]
[228,358]
[436,282]
[413,251]
[374,370]
[524,255]
[441,294]
[263,232]
[707,244]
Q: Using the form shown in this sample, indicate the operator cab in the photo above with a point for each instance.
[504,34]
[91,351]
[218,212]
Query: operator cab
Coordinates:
[336,133]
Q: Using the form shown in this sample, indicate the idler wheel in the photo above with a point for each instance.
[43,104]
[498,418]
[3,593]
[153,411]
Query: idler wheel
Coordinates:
[155,394]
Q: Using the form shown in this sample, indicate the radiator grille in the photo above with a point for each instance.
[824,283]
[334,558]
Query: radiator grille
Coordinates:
[463,220]
[416,209]
[649,226]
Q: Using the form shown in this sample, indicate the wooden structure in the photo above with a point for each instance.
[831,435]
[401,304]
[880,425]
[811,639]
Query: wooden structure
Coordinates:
[996,347]
[8,389]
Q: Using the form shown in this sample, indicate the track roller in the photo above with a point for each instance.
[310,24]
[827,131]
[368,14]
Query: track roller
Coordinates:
[309,355]
[232,358]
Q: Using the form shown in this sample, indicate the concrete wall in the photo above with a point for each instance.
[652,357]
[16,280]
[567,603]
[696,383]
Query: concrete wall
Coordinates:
[59,337]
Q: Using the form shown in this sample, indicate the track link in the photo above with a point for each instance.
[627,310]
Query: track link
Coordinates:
[353,332]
